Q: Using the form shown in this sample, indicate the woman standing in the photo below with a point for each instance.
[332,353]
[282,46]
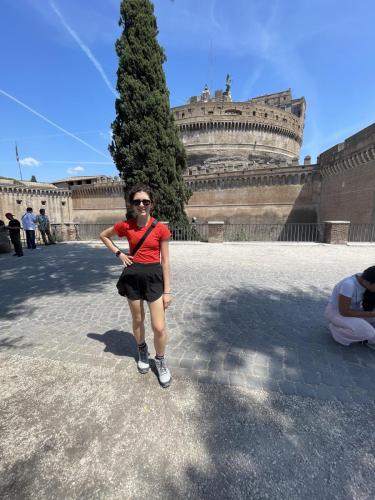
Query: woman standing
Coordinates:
[348,321]
[146,276]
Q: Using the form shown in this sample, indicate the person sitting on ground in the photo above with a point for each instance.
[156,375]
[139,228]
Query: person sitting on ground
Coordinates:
[14,228]
[44,227]
[348,321]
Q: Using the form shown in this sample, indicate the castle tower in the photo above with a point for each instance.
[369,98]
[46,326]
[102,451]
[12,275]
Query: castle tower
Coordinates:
[262,130]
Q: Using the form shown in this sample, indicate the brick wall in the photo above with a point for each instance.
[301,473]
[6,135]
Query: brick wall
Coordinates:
[348,179]
[349,195]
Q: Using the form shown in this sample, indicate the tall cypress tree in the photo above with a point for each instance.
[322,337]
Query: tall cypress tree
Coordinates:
[146,147]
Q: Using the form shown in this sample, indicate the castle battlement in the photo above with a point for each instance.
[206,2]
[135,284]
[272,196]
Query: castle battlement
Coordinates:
[229,178]
[16,196]
[355,151]
[268,126]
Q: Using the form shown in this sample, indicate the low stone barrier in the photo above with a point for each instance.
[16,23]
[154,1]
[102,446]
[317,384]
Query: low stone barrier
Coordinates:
[336,232]
[5,246]
[65,232]
[215,231]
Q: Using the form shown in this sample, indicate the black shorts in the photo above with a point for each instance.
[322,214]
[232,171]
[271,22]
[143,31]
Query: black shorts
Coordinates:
[141,282]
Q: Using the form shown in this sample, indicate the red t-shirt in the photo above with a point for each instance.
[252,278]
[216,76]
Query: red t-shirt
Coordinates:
[150,249]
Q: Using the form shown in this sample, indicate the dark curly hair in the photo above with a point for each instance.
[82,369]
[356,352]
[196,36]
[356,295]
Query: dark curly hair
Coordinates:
[368,302]
[137,189]
[369,274]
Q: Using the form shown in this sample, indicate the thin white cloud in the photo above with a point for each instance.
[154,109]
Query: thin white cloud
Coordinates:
[75,170]
[66,132]
[80,161]
[29,162]
[65,162]
[49,136]
[266,39]
[249,84]
[214,22]
[84,48]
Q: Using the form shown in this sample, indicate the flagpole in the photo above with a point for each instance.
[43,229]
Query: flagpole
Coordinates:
[19,166]
[18,161]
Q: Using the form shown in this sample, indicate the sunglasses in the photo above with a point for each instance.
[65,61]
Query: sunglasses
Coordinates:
[137,203]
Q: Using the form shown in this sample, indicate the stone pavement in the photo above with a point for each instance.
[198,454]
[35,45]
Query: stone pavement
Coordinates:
[72,431]
[264,403]
[243,315]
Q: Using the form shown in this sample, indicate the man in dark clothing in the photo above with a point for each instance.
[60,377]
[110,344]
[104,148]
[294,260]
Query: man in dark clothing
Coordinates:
[14,228]
[44,227]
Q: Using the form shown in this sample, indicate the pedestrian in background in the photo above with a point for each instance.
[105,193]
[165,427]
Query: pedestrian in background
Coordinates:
[28,223]
[14,228]
[44,227]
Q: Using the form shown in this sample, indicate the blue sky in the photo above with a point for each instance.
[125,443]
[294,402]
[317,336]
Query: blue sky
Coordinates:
[58,60]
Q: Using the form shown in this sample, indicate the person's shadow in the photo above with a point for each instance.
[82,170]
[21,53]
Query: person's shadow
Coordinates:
[117,342]
[121,343]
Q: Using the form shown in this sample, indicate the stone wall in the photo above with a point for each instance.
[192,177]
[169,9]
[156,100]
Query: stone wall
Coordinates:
[340,187]
[263,195]
[245,140]
[348,179]
[256,197]
[16,196]
[100,203]
[260,126]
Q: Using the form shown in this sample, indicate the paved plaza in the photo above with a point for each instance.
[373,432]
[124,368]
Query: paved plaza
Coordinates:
[263,403]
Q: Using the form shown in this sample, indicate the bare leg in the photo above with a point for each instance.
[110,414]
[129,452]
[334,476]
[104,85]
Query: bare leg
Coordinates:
[138,317]
[158,325]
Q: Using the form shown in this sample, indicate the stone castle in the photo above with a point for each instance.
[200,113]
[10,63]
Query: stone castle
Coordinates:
[258,132]
[243,167]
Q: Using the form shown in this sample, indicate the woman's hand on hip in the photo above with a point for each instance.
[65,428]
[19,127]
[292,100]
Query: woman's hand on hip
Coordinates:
[127,260]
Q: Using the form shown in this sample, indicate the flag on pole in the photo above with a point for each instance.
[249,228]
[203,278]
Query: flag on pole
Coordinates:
[17,157]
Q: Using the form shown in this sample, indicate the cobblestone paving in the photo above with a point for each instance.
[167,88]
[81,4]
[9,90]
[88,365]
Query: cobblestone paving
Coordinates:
[243,314]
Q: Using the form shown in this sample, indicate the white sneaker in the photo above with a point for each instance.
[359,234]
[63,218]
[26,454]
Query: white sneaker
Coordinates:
[163,372]
[143,364]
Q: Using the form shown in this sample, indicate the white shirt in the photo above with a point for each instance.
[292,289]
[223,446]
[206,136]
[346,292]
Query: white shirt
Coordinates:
[349,287]
[28,221]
